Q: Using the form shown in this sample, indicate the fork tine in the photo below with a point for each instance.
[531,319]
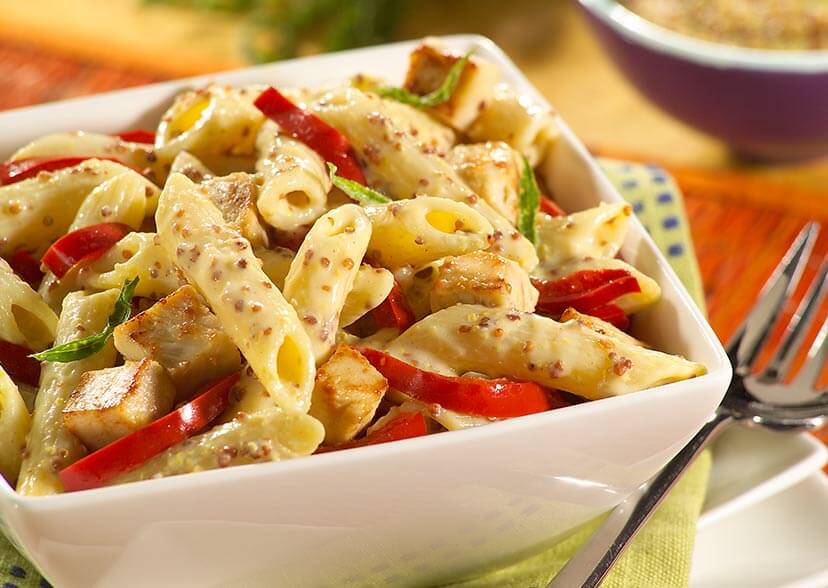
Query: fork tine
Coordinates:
[744,345]
[817,355]
[799,326]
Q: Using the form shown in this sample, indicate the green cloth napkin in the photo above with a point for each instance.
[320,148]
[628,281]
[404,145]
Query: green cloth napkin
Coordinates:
[660,555]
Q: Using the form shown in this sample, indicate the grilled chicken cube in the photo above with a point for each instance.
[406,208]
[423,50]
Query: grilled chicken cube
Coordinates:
[111,403]
[482,278]
[428,66]
[183,335]
[347,393]
[492,170]
[235,196]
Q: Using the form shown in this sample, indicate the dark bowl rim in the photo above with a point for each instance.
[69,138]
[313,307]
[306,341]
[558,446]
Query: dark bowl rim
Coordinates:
[638,30]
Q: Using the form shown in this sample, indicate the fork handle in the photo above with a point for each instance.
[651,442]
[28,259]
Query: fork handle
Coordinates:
[592,562]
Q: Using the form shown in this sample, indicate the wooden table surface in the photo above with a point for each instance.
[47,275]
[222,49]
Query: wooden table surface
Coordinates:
[742,217]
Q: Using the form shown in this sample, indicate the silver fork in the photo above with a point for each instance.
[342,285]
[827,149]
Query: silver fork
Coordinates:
[763,399]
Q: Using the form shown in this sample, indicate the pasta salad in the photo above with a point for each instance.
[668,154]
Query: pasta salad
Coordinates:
[278,272]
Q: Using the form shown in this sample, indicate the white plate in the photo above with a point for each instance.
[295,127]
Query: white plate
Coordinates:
[781,542]
[751,464]
[419,511]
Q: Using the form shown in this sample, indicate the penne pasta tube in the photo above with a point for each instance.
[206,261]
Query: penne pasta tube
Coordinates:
[219,262]
[37,211]
[272,435]
[295,182]
[25,318]
[595,232]
[15,423]
[50,446]
[371,285]
[216,124]
[136,255]
[323,272]
[419,230]
[126,198]
[517,120]
[139,156]
[567,356]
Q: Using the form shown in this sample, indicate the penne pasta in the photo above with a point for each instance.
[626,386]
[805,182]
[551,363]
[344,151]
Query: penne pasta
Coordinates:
[295,182]
[139,156]
[595,232]
[371,284]
[430,135]
[220,263]
[323,272]
[50,447]
[525,126]
[217,124]
[126,198]
[36,211]
[419,230]
[566,356]
[272,435]
[136,255]
[15,423]
[25,319]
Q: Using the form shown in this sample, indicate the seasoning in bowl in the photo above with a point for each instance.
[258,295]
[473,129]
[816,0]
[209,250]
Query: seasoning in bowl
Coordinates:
[792,25]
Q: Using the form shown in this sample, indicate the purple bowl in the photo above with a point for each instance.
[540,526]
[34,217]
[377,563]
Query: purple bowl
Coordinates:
[764,104]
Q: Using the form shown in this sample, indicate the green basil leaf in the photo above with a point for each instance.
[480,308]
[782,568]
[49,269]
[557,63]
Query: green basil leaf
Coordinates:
[77,349]
[435,98]
[123,305]
[86,346]
[528,203]
[355,190]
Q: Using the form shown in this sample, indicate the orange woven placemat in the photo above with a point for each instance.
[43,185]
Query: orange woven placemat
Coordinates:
[740,227]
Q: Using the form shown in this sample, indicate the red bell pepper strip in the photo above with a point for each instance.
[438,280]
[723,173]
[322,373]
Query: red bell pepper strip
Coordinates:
[137,136]
[16,362]
[550,207]
[394,311]
[27,267]
[22,169]
[404,426]
[498,398]
[612,314]
[127,453]
[85,244]
[311,130]
[584,290]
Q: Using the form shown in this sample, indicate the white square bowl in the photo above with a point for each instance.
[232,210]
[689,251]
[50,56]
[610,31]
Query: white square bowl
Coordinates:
[416,512]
